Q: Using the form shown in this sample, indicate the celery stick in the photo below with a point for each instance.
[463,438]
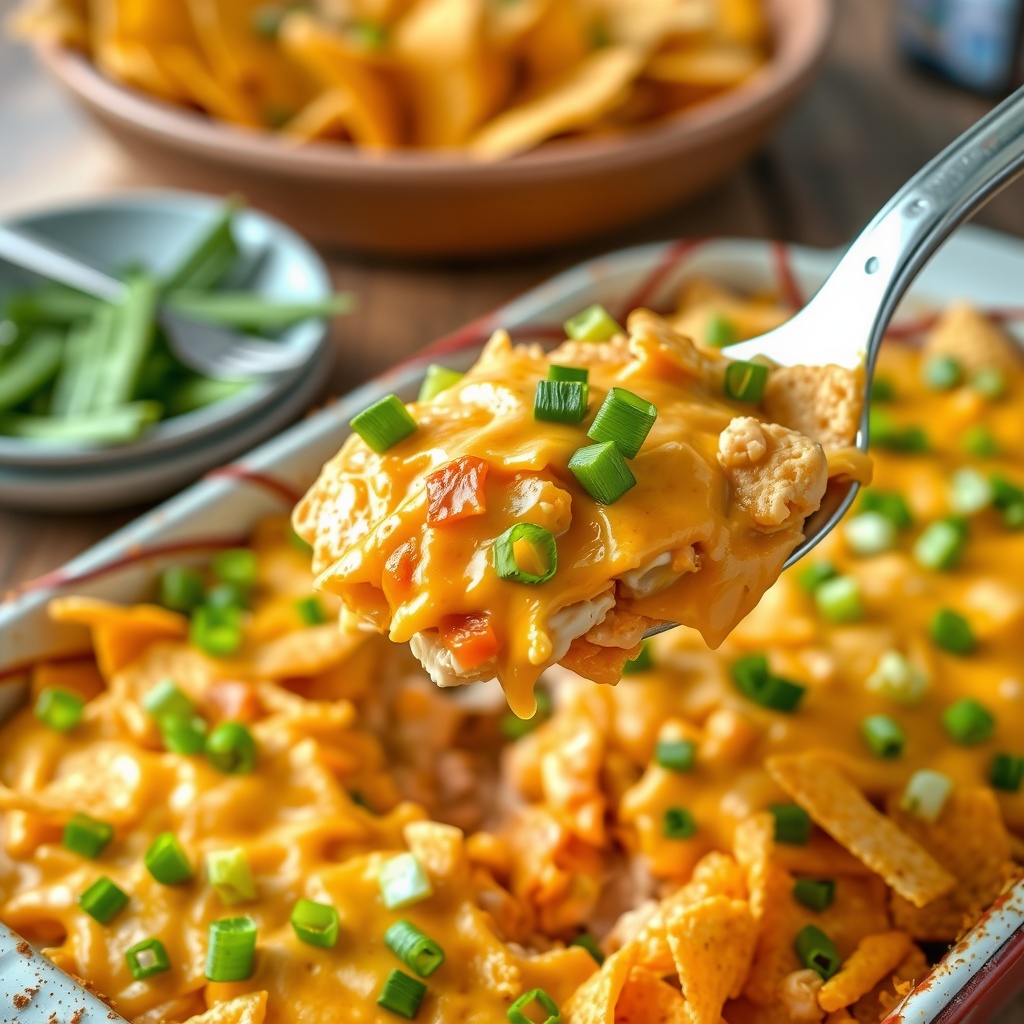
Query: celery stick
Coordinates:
[48,304]
[109,426]
[32,366]
[196,392]
[211,257]
[248,311]
[130,343]
[81,375]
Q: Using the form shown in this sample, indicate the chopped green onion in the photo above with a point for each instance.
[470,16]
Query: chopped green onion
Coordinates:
[592,324]
[543,549]
[560,401]
[839,600]
[216,631]
[941,546]
[231,952]
[870,533]
[883,735]
[367,35]
[792,824]
[745,382]
[236,565]
[676,755]
[228,595]
[183,734]
[968,722]
[817,952]
[970,491]
[719,332]
[678,823]
[1007,772]
[105,426]
[311,610]
[989,382]
[952,632]
[181,588]
[884,433]
[602,472]
[167,861]
[166,699]
[129,345]
[210,258]
[624,418]
[756,682]
[925,794]
[1013,516]
[60,709]
[230,748]
[643,662]
[316,924]
[402,994]
[515,728]
[1004,493]
[898,679]
[403,881]
[571,373]
[882,389]
[942,373]
[814,893]
[147,958]
[589,943]
[229,873]
[815,574]
[103,900]
[437,379]
[416,950]
[248,311]
[890,504]
[517,1011]
[979,441]
[31,367]
[384,423]
[88,837]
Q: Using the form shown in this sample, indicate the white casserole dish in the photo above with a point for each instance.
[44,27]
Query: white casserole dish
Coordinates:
[979,973]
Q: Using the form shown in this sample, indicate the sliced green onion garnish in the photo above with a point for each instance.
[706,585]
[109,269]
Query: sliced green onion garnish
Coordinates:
[890,504]
[884,433]
[402,994]
[103,900]
[589,943]
[968,722]
[229,873]
[943,372]
[316,924]
[231,748]
[236,565]
[952,632]
[384,424]
[745,382]
[227,595]
[676,755]
[817,952]
[897,678]
[183,734]
[1007,772]
[560,401]
[870,533]
[311,610]
[941,546]
[181,588]
[576,373]
[592,324]
[1009,499]
[815,893]
[231,952]
[88,837]
[167,861]
[166,699]
[989,382]
[436,380]
[792,824]
[756,682]
[643,662]
[719,332]
[147,958]
[979,441]
[549,1012]
[216,631]
[839,600]
[602,472]
[543,554]
[60,709]
[882,389]
[970,491]
[884,735]
[418,951]
[678,823]
[624,418]
[815,574]
[925,794]
[403,881]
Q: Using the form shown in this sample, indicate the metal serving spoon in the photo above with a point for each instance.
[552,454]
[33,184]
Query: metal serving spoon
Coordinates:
[845,321]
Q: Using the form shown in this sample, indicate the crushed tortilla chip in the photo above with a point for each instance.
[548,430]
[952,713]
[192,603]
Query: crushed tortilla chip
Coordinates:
[874,958]
[646,999]
[248,1009]
[594,1002]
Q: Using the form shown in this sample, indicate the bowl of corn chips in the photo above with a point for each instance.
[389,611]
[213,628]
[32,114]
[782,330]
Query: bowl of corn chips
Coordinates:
[438,127]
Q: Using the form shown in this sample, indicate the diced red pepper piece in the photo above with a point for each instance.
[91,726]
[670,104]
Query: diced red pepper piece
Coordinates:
[470,638]
[400,567]
[233,701]
[457,490]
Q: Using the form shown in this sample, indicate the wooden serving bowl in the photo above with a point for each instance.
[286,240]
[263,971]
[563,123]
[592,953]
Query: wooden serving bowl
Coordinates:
[416,203]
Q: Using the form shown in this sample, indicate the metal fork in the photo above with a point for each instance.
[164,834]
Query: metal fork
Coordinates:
[208,349]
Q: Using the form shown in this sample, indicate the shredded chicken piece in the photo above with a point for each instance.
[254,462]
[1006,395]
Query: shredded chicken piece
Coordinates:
[823,402]
[973,340]
[442,666]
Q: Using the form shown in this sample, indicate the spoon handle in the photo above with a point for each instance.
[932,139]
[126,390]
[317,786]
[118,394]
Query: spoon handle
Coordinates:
[23,249]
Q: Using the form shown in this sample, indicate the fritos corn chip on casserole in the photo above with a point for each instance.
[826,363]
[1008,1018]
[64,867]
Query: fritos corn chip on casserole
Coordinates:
[552,508]
[490,77]
[227,810]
